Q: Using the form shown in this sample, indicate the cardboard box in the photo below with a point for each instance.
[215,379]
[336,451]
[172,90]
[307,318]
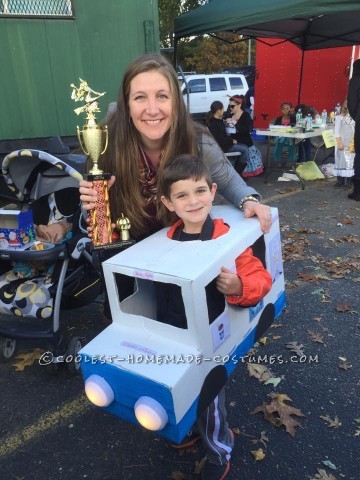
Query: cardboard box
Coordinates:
[17,230]
[140,356]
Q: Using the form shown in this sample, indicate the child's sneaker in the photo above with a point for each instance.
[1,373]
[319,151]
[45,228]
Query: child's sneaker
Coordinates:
[215,472]
[189,441]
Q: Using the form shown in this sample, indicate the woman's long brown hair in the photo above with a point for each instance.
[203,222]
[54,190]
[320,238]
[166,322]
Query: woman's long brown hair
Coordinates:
[123,154]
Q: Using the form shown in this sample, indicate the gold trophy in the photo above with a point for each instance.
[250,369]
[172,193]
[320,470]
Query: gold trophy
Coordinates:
[93,140]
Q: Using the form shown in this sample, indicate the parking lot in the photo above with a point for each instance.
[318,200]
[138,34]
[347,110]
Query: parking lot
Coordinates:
[50,431]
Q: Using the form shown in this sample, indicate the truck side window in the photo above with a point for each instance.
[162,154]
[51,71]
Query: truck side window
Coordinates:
[197,85]
[235,83]
[215,301]
[217,84]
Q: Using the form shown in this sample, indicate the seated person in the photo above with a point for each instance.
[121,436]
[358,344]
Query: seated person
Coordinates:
[217,128]
[242,122]
[187,191]
[286,119]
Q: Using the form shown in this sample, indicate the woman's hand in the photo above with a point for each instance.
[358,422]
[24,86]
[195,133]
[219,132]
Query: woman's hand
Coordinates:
[229,283]
[88,196]
[340,144]
[261,211]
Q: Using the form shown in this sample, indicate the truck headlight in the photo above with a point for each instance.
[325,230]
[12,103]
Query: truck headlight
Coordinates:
[98,391]
[150,413]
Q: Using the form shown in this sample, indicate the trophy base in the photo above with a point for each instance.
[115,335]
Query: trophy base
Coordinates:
[100,253]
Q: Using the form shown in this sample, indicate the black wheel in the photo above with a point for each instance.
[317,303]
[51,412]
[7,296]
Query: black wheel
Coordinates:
[72,363]
[7,348]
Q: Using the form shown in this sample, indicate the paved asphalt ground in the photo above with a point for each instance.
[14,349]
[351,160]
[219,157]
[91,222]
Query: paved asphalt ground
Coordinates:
[49,431]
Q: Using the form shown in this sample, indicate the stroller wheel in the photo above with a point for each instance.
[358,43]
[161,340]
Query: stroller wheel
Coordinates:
[72,358]
[7,348]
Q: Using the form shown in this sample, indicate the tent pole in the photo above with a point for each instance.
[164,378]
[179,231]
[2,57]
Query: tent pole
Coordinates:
[301,75]
[175,53]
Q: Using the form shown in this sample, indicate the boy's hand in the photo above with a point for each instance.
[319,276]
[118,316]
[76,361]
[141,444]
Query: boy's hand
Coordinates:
[229,283]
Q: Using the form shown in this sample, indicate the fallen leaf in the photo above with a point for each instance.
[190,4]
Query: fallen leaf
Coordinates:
[27,359]
[329,464]
[295,347]
[322,475]
[273,381]
[316,337]
[331,423]
[261,372]
[199,466]
[263,439]
[283,412]
[258,454]
[344,307]
[263,340]
[344,365]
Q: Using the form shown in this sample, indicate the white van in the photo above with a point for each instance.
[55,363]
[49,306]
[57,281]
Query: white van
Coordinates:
[204,89]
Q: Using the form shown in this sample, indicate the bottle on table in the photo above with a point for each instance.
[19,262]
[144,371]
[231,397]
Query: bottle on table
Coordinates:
[332,117]
[324,118]
[309,122]
[298,117]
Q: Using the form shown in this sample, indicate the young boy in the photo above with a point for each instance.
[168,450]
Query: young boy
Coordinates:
[186,190]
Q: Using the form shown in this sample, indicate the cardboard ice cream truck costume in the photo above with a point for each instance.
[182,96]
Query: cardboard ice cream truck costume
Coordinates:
[159,375]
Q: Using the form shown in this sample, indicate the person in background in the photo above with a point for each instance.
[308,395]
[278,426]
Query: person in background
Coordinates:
[187,191]
[216,125]
[242,122]
[353,103]
[344,160]
[286,119]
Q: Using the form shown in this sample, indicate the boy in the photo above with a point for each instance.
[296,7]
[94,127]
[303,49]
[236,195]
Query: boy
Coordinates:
[186,190]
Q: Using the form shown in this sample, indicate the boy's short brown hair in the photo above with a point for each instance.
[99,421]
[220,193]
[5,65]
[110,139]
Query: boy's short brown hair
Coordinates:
[182,167]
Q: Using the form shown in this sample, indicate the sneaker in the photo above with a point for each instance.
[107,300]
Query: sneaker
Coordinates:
[215,472]
[188,441]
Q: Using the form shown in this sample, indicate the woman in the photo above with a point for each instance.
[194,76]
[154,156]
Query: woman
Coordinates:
[149,127]
[242,122]
[217,128]
[286,119]
[353,102]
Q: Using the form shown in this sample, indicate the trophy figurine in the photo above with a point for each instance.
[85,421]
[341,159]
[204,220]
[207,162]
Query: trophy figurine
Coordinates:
[93,140]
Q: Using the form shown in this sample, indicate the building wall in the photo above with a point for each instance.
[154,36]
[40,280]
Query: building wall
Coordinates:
[40,58]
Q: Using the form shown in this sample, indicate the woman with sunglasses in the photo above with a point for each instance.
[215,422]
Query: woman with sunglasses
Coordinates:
[242,122]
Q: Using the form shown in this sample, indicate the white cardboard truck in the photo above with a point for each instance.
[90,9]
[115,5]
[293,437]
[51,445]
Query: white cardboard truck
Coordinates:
[162,376]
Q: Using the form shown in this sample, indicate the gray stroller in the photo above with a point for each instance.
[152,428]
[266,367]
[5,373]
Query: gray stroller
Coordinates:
[36,284]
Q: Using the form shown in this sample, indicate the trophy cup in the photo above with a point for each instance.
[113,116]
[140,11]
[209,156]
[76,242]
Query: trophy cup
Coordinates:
[93,140]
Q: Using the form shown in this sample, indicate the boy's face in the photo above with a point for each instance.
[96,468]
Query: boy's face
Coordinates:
[191,200]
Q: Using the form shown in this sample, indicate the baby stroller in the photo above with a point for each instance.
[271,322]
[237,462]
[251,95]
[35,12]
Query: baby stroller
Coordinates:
[37,283]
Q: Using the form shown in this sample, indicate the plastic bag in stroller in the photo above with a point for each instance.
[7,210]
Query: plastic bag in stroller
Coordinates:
[35,284]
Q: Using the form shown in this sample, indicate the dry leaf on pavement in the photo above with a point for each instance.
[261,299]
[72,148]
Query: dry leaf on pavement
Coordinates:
[258,454]
[261,372]
[282,412]
[316,337]
[296,347]
[331,423]
[27,359]
[322,475]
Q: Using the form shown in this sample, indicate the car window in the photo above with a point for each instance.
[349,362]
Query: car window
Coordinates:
[235,83]
[197,85]
[217,84]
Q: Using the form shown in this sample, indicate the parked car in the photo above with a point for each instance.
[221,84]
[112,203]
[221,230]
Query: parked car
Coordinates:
[161,376]
[247,70]
[202,90]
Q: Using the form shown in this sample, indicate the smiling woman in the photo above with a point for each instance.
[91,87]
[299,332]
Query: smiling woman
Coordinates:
[148,128]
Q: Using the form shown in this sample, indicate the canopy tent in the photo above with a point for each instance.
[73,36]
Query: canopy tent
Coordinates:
[308,24]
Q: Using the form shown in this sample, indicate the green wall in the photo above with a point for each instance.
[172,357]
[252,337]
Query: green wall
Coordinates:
[40,58]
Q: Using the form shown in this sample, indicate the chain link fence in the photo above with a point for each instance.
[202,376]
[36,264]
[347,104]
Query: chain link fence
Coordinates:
[37,8]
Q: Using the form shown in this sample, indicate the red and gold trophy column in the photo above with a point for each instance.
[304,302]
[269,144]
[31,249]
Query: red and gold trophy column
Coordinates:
[93,140]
